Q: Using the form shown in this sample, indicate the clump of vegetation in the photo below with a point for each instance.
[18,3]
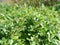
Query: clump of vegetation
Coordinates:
[23,25]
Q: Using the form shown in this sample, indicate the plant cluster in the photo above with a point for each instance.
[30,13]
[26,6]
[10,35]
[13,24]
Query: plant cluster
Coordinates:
[21,25]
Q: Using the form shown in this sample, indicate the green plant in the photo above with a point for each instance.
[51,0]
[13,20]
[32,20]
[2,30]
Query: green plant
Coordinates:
[29,26]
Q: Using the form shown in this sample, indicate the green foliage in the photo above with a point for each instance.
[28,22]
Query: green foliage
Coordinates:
[29,25]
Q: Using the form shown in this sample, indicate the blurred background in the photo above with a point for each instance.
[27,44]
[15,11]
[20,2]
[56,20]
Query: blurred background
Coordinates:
[35,3]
